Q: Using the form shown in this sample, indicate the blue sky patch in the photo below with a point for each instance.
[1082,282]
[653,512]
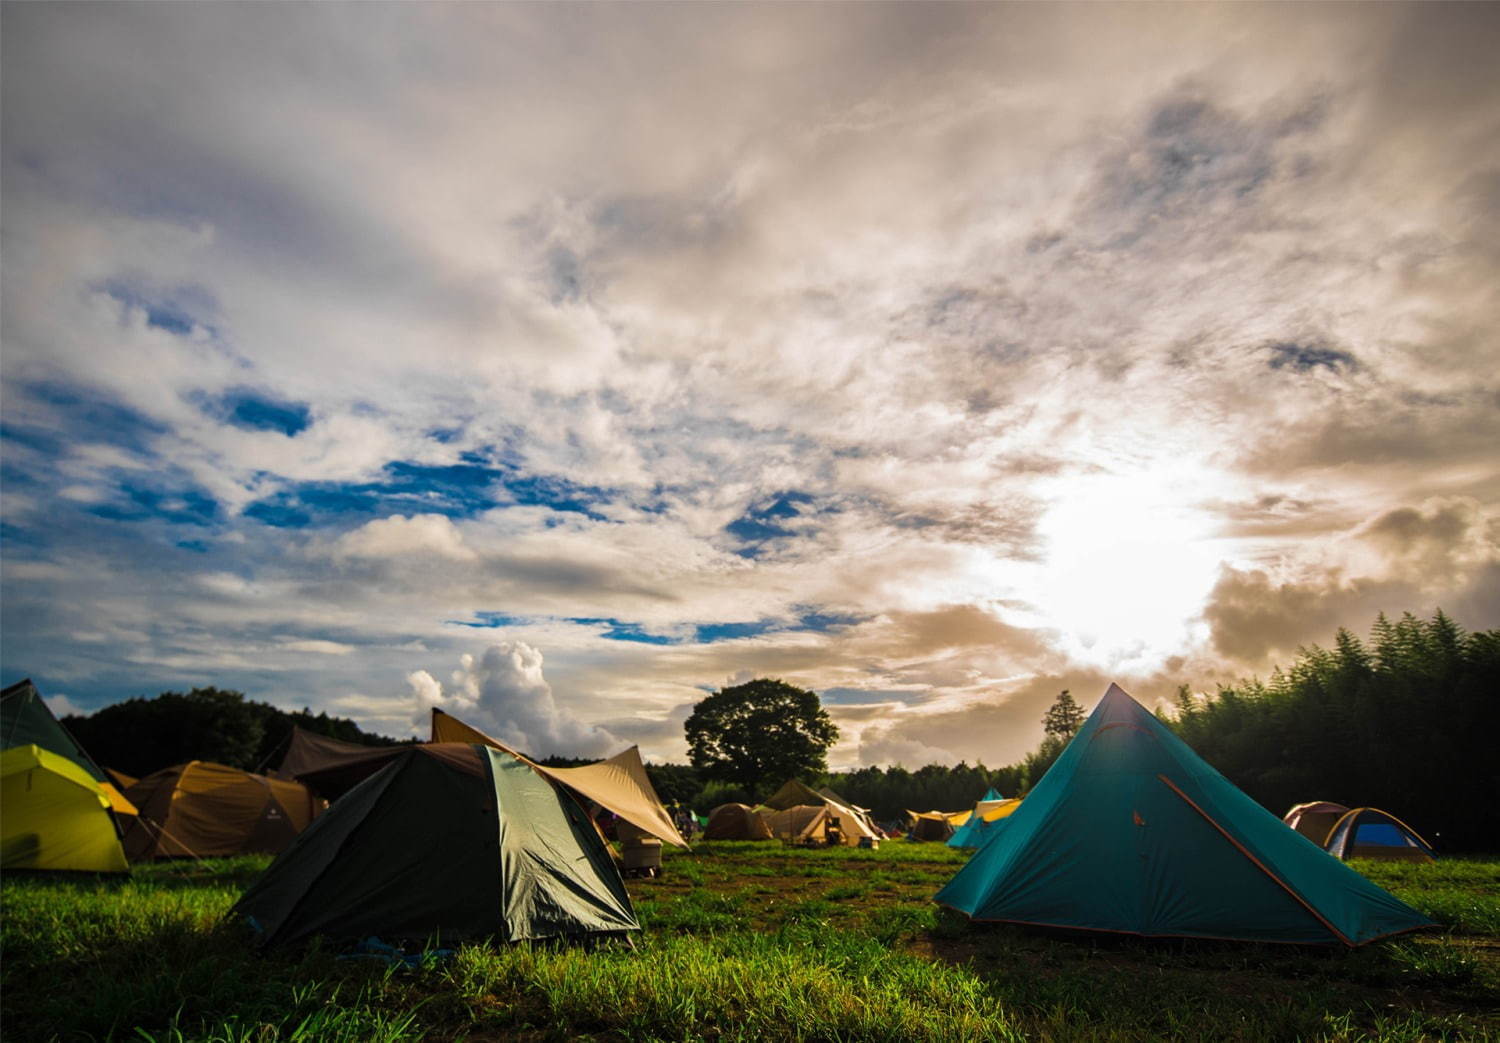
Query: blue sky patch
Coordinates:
[761,524]
[87,417]
[177,311]
[254,411]
[489,621]
[1304,358]
[186,507]
[708,633]
[617,630]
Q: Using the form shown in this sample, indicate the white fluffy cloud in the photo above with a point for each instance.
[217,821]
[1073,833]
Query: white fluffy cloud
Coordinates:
[502,692]
[885,746]
[399,536]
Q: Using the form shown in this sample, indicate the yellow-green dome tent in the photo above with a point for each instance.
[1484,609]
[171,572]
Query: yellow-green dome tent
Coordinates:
[54,816]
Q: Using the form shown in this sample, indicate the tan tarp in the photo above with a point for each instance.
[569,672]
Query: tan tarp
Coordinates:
[204,809]
[850,823]
[309,752]
[619,784]
[735,822]
[804,823]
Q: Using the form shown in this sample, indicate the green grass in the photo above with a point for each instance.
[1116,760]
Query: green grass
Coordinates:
[740,941]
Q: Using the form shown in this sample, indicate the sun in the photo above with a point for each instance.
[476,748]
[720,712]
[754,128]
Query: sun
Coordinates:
[1128,566]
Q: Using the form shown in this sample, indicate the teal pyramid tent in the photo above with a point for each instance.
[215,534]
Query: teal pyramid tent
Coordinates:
[448,841]
[1131,831]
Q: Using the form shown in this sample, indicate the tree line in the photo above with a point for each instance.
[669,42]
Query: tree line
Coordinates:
[1407,722]
[141,735]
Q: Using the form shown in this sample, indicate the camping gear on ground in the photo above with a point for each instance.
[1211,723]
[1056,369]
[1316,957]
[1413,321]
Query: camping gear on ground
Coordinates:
[640,852]
[1131,831]
[1315,819]
[449,842]
[53,815]
[979,827]
[735,822]
[201,809]
[619,783]
[26,719]
[1372,833]
[849,822]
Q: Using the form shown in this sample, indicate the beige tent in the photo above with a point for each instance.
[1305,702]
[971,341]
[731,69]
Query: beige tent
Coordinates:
[934,825]
[619,784]
[1315,819]
[736,822]
[204,809]
[800,824]
[843,817]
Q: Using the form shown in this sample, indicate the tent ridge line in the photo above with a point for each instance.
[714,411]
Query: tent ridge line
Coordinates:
[1257,862]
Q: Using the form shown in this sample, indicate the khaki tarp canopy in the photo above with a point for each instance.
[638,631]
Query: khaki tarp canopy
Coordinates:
[735,822]
[849,822]
[446,842]
[801,824]
[26,719]
[865,815]
[201,809]
[619,784]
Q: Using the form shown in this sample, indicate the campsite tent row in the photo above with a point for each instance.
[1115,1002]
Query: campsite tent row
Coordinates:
[201,809]
[502,848]
[797,813]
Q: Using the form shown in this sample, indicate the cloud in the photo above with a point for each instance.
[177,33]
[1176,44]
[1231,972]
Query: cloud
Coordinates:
[62,706]
[400,535]
[503,693]
[942,355]
[884,746]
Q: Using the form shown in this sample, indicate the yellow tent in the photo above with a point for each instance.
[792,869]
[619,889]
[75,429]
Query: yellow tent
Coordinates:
[202,809]
[54,816]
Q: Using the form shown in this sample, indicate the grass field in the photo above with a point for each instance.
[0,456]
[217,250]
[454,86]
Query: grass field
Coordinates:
[741,941]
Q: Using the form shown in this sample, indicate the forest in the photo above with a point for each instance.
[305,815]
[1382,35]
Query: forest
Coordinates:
[1406,721]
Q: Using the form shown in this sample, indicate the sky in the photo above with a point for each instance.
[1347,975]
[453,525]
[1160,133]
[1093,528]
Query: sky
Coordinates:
[561,364]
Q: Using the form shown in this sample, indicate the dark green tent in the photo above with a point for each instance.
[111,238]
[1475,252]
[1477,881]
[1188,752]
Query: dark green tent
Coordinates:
[26,720]
[449,841]
[1131,831]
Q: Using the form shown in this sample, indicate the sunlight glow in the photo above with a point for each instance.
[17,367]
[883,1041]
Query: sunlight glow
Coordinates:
[1128,568]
